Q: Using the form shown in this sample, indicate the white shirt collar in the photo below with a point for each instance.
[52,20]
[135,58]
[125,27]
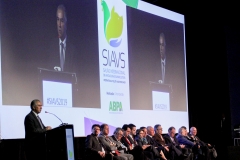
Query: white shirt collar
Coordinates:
[35,113]
[163,61]
[64,41]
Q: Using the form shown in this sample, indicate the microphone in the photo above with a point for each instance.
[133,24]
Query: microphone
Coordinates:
[160,81]
[57,118]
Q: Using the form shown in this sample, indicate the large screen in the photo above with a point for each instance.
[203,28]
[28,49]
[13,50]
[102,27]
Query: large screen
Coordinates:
[100,61]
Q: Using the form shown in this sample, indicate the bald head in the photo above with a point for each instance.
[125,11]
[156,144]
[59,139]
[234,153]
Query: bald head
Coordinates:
[193,131]
[162,44]
[150,131]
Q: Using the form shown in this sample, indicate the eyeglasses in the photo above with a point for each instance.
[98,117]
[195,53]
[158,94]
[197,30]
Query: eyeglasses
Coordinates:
[96,129]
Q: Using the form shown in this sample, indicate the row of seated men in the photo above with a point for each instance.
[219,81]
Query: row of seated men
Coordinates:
[145,143]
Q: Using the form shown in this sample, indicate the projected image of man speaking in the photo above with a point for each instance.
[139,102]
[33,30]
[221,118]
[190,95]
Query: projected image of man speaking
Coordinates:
[62,51]
[162,44]
[162,64]
[62,33]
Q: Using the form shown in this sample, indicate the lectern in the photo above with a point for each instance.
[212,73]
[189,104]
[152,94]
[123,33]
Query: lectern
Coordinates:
[161,96]
[57,88]
[60,143]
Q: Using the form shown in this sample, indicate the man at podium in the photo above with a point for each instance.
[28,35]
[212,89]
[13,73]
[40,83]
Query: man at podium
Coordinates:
[34,132]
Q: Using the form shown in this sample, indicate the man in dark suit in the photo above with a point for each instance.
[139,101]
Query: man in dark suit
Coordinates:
[132,134]
[162,46]
[163,65]
[34,132]
[61,50]
[205,147]
[112,145]
[125,139]
[117,135]
[181,151]
[150,151]
[132,147]
[169,150]
[94,148]
[188,135]
[182,139]
[149,137]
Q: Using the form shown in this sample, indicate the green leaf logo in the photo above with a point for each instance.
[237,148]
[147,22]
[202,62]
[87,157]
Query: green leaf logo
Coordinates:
[70,154]
[113,25]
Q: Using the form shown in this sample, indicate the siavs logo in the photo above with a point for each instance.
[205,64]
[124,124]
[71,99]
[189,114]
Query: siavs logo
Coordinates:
[113,25]
[115,106]
[160,106]
[57,101]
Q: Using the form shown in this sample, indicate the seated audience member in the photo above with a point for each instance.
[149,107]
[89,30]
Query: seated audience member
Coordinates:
[117,136]
[125,139]
[150,151]
[132,134]
[133,147]
[182,139]
[112,145]
[181,151]
[149,137]
[137,151]
[205,147]
[94,148]
[150,134]
[188,136]
[167,148]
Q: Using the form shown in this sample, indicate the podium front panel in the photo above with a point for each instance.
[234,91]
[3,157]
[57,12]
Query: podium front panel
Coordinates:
[60,143]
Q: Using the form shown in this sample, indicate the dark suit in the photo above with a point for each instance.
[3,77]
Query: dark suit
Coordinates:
[183,140]
[176,146]
[169,67]
[189,144]
[92,146]
[173,151]
[132,140]
[34,137]
[160,141]
[204,147]
[150,151]
[137,151]
[54,55]
[154,143]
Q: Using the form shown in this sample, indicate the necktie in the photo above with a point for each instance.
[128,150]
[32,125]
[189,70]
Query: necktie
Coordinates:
[135,142]
[61,56]
[40,121]
[117,152]
[145,141]
[130,144]
[161,137]
[173,140]
[163,71]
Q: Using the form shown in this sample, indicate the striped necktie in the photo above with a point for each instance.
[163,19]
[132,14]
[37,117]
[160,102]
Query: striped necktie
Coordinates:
[40,121]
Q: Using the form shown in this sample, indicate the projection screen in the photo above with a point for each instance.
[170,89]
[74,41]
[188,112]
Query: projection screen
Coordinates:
[124,62]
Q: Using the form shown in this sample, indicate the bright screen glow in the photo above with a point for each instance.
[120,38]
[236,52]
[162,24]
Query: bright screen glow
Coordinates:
[124,62]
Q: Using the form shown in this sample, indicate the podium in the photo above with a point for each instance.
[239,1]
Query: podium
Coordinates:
[60,143]
[57,88]
[161,95]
